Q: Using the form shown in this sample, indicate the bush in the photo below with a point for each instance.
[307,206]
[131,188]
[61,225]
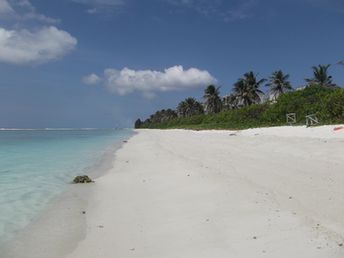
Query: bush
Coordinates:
[333,106]
[302,102]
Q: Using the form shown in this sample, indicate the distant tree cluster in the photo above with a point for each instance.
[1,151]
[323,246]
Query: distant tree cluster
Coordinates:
[189,107]
[246,91]
[159,117]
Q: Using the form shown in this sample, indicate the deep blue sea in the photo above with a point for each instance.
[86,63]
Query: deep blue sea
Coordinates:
[38,165]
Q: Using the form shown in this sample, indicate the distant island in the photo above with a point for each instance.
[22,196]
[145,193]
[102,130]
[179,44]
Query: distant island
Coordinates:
[248,106]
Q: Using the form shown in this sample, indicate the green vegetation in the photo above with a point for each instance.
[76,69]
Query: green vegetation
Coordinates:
[245,108]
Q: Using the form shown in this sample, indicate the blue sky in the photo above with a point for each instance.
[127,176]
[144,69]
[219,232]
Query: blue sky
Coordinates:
[104,63]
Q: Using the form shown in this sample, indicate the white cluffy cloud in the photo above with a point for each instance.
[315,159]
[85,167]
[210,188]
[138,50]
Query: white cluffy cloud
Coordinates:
[148,82]
[23,43]
[24,46]
[91,79]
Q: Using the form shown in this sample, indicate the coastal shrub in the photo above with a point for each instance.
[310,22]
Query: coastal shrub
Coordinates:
[333,106]
[326,103]
[302,102]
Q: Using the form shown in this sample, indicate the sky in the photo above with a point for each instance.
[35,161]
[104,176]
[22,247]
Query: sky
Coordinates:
[105,63]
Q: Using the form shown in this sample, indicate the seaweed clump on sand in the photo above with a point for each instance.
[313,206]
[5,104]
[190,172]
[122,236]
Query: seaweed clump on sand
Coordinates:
[82,180]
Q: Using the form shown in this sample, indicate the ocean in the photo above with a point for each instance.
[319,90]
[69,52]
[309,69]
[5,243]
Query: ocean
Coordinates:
[38,165]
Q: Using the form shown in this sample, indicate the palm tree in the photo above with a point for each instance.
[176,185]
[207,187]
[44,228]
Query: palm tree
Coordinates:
[213,101]
[230,102]
[247,89]
[279,84]
[189,107]
[321,77]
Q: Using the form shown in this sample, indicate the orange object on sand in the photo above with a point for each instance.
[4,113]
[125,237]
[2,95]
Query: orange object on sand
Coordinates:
[338,128]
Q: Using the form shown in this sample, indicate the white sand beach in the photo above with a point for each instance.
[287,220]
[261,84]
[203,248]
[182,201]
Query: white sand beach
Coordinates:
[270,192]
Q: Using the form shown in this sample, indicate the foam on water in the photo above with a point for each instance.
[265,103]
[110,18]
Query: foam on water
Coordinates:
[37,165]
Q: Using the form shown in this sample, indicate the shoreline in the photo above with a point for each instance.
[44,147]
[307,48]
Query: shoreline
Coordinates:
[201,194]
[45,236]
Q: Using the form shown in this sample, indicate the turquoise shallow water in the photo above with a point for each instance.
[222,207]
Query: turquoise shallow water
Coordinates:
[38,165]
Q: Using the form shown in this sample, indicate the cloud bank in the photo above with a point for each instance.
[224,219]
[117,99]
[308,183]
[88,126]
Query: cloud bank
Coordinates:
[149,82]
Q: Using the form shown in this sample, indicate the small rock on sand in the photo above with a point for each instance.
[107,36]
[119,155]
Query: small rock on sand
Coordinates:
[82,180]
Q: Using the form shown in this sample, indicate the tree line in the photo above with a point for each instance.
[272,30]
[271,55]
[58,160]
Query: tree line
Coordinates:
[246,92]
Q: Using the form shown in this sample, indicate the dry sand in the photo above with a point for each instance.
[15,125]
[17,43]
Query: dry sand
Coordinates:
[274,192]
[271,192]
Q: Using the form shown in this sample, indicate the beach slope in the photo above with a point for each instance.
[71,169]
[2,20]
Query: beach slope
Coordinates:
[274,192]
